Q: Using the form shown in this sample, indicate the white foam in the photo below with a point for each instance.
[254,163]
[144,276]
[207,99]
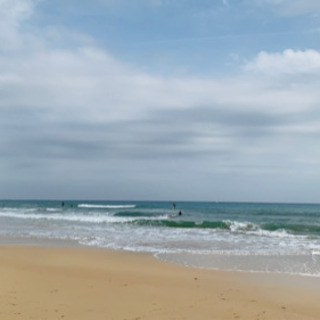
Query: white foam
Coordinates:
[100,206]
[69,217]
[254,229]
[19,209]
[53,209]
[105,218]
[240,226]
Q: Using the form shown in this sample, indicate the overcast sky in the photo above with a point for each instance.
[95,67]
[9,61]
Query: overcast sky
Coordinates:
[160,100]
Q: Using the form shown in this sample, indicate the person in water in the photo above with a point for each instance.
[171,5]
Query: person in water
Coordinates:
[174,205]
[180,213]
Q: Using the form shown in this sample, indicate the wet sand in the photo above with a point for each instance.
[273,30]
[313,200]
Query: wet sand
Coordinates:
[76,283]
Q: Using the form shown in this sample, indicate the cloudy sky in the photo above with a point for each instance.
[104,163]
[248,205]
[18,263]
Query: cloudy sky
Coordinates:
[214,100]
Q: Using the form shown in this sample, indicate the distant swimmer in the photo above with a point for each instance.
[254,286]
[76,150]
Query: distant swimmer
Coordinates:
[174,205]
[62,204]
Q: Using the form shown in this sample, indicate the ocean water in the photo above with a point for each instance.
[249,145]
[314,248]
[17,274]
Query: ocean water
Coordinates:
[282,238]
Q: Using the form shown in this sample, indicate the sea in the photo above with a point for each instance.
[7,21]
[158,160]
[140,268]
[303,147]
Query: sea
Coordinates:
[251,237]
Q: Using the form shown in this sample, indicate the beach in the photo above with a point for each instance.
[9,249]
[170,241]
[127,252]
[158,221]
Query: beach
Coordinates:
[79,283]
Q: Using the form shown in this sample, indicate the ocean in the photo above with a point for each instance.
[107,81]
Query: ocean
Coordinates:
[254,237]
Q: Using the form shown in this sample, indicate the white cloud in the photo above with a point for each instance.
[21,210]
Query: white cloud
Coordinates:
[286,62]
[12,13]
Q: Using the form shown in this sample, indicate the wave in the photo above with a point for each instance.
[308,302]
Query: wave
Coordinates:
[232,226]
[227,225]
[133,214]
[294,228]
[107,206]
[97,219]
[149,219]
[183,224]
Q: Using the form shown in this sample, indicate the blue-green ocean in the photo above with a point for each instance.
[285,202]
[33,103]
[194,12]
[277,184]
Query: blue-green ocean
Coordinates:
[260,237]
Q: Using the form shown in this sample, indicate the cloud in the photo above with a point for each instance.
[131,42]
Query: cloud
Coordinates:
[77,111]
[85,102]
[12,14]
[287,62]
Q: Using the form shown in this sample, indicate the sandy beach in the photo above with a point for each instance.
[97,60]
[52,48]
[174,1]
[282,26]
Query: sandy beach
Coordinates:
[76,283]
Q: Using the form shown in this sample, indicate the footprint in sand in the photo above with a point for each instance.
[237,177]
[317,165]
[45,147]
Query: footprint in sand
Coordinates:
[54,291]
[222,297]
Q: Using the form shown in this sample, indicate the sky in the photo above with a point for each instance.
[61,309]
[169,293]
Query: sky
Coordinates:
[194,100]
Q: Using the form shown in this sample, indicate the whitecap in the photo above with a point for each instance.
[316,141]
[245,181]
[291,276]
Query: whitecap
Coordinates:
[101,206]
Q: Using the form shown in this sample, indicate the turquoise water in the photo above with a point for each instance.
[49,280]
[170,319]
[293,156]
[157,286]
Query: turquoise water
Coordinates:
[231,236]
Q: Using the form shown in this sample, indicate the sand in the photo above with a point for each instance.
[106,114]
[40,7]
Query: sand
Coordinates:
[75,283]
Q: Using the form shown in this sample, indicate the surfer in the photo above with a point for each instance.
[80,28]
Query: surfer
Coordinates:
[174,206]
[180,213]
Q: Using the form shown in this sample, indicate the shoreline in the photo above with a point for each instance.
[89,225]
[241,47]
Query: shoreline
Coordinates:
[242,237]
[42,282]
[248,263]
